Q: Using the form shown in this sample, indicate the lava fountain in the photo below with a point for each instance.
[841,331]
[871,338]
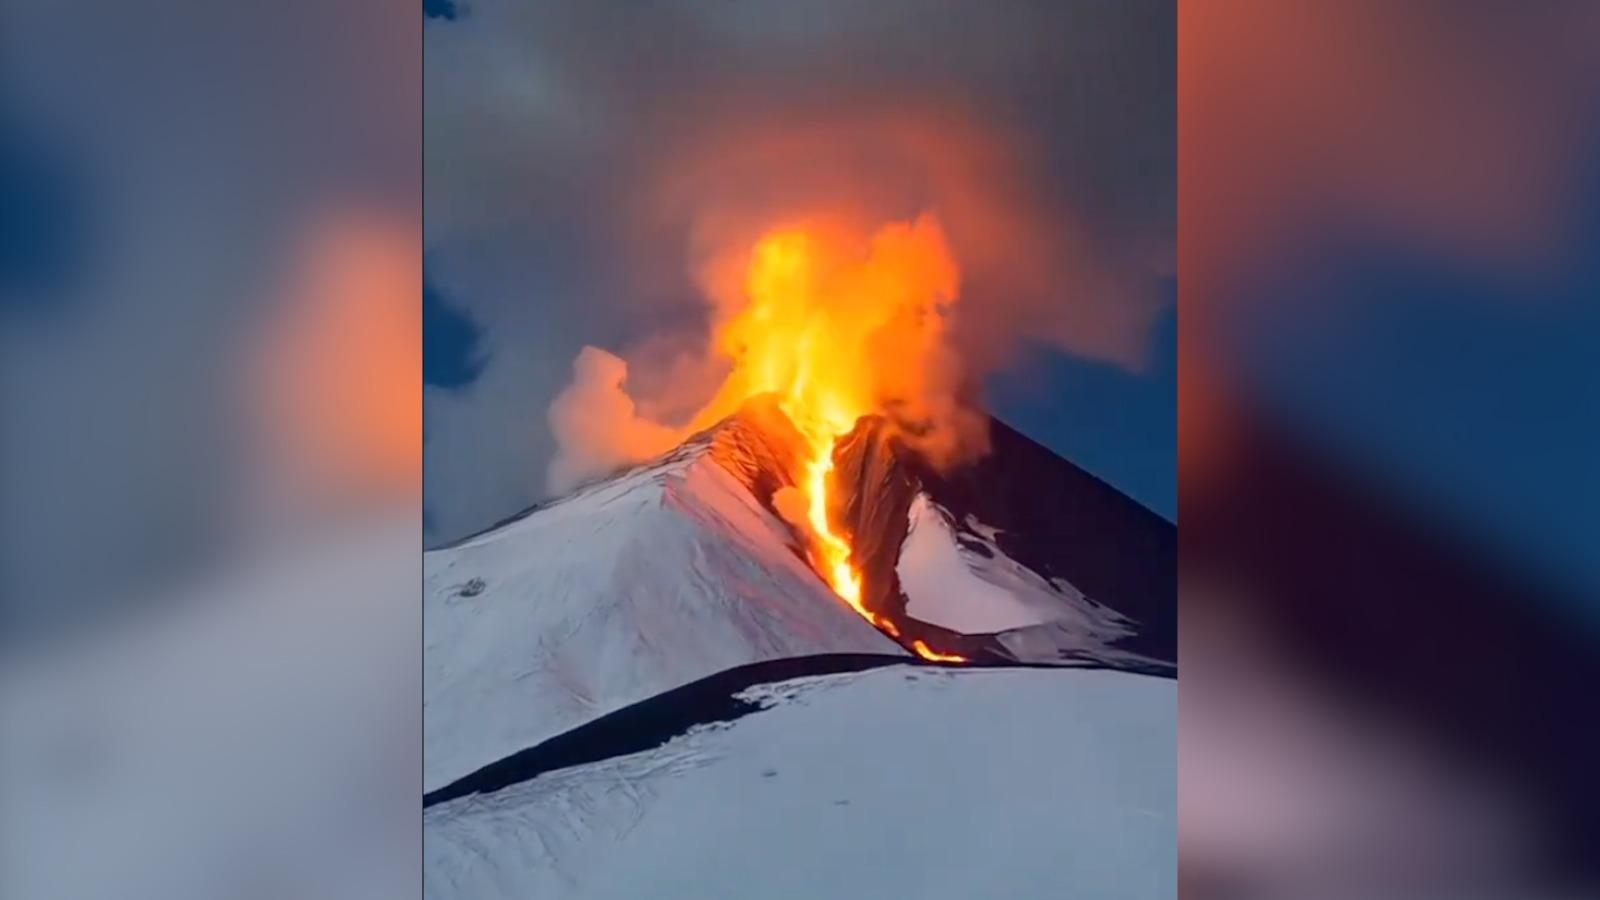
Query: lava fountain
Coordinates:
[838,324]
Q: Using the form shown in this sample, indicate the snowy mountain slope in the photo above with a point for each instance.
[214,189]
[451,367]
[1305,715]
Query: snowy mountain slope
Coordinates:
[653,722]
[1017,557]
[900,781]
[961,579]
[665,574]
[955,576]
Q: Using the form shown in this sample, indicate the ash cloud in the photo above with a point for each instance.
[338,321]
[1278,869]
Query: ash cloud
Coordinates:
[582,160]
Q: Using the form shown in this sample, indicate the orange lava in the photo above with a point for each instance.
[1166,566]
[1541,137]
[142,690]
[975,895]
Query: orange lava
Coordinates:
[838,323]
[926,652]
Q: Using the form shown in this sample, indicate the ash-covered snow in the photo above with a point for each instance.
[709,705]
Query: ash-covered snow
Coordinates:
[901,781]
[633,586]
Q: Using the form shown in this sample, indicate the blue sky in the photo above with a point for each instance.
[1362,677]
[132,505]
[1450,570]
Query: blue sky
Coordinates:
[43,219]
[452,352]
[1119,425]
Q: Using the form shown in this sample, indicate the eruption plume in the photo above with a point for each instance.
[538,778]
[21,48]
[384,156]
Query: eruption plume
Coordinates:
[838,322]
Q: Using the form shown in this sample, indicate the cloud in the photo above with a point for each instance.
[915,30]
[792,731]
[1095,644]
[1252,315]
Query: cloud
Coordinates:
[595,424]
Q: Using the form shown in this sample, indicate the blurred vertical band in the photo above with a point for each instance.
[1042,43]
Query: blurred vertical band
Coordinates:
[1388,234]
[210,428]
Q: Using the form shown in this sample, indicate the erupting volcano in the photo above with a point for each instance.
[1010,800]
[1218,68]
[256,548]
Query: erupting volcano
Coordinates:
[831,527]
[839,326]
[655,656]
[837,322]
[834,495]
[833,507]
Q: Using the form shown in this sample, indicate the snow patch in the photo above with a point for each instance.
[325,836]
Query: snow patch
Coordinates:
[966,583]
[946,585]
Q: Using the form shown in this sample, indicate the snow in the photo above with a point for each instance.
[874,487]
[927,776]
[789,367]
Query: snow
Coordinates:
[661,576]
[944,584]
[901,781]
[948,583]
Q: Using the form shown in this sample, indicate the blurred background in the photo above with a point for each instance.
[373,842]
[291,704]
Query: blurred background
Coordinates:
[210,307]
[1389,261]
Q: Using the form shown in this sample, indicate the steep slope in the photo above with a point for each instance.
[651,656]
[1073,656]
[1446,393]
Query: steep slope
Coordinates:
[644,690]
[632,586]
[681,568]
[905,780]
[1018,557]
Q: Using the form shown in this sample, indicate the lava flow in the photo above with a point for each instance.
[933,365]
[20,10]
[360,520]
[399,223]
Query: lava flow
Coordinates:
[839,325]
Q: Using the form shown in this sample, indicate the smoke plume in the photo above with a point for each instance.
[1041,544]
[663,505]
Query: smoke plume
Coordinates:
[903,214]
[584,167]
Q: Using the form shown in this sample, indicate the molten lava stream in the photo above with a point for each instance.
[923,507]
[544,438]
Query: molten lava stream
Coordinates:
[833,320]
[926,652]
[835,558]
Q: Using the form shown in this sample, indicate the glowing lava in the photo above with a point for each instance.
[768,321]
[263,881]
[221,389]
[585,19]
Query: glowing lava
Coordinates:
[833,549]
[839,324]
[926,652]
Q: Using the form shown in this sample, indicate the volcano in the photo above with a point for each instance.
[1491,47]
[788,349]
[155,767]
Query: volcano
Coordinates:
[1018,557]
[644,688]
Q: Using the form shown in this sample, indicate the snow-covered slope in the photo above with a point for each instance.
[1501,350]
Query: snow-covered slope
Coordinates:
[962,580]
[665,574]
[955,576]
[1019,556]
[905,781]
[612,707]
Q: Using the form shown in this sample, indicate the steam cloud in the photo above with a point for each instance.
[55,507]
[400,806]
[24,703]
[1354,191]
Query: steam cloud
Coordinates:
[596,424]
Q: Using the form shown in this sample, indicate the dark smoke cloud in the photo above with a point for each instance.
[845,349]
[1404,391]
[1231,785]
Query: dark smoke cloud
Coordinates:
[580,155]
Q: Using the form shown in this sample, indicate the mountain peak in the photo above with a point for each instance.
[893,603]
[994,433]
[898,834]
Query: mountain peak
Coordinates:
[662,574]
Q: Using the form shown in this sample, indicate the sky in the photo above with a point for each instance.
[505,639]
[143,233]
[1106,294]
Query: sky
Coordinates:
[566,181]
